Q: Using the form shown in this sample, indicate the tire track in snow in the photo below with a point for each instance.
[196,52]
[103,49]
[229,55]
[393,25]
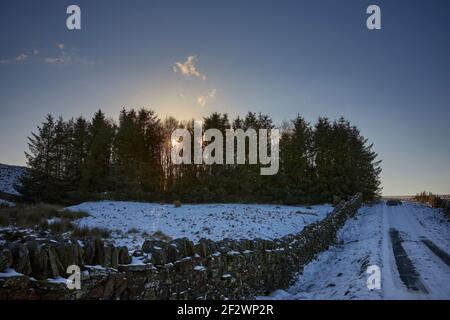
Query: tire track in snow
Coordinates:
[408,274]
[444,256]
[434,273]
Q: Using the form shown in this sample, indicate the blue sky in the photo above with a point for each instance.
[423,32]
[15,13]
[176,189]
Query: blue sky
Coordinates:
[278,57]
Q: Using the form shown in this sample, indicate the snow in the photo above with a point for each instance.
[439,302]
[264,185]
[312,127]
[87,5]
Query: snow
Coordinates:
[199,268]
[7,203]
[340,272]
[417,222]
[137,261]
[213,221]
[438,230]
[8,273]
[95,267]
[59,280]
[9,177]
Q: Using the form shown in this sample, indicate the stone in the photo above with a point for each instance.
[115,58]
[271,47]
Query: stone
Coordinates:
[99,252]
[6,259]
[68,253]
[184,265]
[173,254]
[89,253]
[159,256]
[138,253]
[157,249]
[136,268]
[206,247]
[148,245]
[124,256]
[21,259]
[190,249]
[114,257]
[107,256]
[185,247]
[54,264]
[80,254]
[38,259]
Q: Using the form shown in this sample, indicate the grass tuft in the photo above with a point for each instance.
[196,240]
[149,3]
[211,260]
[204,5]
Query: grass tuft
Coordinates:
[177,203]
[45,217]
[86,232]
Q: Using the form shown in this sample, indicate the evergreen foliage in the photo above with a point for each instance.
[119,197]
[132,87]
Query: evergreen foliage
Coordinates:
[77,160]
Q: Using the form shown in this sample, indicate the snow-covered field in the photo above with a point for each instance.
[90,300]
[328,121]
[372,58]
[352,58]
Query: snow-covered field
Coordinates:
[129,220]
[9,177]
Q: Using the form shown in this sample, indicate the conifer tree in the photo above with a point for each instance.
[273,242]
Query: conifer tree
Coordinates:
[297,161]
[98,161]
[73,160]
[80,136]
[322,154]
[39,183]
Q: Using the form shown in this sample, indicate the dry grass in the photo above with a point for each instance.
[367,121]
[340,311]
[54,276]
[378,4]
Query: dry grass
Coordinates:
[45,217]
[133,231]
[177,203]
[29,216]
[158,234]
[86,232]
[72,215]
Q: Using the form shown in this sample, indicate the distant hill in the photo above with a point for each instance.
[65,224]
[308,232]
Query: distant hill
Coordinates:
[442,196]
[9,177]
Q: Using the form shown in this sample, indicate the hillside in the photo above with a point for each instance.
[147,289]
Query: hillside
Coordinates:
[9,177]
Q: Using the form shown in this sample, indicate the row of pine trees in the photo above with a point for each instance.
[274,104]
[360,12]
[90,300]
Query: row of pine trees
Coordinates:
[76,160]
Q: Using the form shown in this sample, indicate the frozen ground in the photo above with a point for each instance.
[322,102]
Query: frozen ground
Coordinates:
[9,176]
[416,223]
[129,220]
[340,273]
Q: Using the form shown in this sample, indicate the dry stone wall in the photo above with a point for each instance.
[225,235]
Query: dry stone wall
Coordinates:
[179,269]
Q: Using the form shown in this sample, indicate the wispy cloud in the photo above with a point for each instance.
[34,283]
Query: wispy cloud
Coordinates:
[57,60]
[208,98]
[19,58]
[188,68]
[62,56]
